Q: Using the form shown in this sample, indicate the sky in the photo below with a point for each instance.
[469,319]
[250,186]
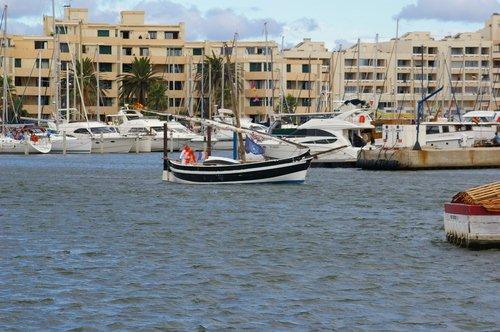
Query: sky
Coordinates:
[336,22]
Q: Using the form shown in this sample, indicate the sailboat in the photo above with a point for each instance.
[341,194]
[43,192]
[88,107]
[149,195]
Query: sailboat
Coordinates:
[16,139]
[217,170]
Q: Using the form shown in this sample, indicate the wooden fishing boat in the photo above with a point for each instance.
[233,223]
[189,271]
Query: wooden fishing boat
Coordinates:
[472,219]
[228,171]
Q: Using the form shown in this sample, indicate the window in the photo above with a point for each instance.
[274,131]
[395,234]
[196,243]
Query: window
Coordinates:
[457,64]
[144,51]
[457,51]
[104,49]
[255,66]
[64,65]
[106,102]
[43,65]
[432,130]
[126,68]
[61,30]
[255,102]
[418,50]
[306,68]
[45,100]
[17,63]
[125,34]
[485,63]
[106,84]
[305,102]
[263,50]
[127,51]
[350,62]
[288,68]
[268,66]
[250,50]
[175,85]
[171,35]
[40,44]
[198,51]
[81,131]
[175,68]
[174,51]
[45,82]
[84,49]
[471,64]
[64,47]
[102,33]
[403,63]
[226,50]
[350,89]
[321,141]
[152,34]
[105,67]
[305,85]
[312,133]
[366,62]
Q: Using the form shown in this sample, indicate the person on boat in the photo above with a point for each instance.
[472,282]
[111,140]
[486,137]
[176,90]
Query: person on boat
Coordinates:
[496,140]
[187,155]
[33,137]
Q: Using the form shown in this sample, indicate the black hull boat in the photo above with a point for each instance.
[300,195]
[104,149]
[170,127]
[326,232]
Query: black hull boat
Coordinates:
[289,170]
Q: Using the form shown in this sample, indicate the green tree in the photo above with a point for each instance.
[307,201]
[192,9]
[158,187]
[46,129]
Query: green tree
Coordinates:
[157,96]
[212,77]
[87,76]
[289,104]
[136,83]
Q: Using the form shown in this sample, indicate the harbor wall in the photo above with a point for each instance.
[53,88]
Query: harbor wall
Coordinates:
[406,159]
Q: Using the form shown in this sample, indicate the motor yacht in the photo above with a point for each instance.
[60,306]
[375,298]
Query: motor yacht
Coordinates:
[334,142]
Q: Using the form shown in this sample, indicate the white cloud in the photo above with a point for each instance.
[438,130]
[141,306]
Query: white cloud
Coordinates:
[450,10]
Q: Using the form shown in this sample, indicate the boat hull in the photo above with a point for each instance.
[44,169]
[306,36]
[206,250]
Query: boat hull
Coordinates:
[112,145]
[292,170]
[12,146]
[471,226]
[73,145]
[141,145]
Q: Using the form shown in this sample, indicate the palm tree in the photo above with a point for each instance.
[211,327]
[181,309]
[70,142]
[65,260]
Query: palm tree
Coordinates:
[213,70]
[157,96]
[87,80]
[136,83]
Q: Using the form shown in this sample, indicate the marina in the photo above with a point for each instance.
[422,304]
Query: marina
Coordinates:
[155,177]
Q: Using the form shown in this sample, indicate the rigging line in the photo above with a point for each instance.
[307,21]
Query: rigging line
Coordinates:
[23,95]
[386,76]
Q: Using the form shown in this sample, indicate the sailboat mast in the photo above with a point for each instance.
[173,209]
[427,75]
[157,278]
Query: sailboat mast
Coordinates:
[39,113]
[222,77]
[267,69]
[55,62]
[396,67]
[98,108]
[4,66]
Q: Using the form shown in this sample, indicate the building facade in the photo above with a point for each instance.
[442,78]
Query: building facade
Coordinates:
[392,75]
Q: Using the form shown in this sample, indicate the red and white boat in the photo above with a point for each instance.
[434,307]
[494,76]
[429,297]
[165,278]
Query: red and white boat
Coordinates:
[472,219]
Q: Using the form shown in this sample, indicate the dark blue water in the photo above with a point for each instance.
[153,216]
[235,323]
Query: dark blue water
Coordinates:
[100,242]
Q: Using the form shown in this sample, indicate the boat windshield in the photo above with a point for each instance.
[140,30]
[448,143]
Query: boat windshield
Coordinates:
[138,130]
[311,133]
[133,117]
[102,130]
[158,129]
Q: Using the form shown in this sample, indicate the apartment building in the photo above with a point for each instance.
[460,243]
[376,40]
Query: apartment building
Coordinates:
[395,74]
[391,74]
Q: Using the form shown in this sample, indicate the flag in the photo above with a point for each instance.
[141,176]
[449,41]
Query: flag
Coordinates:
[252,147]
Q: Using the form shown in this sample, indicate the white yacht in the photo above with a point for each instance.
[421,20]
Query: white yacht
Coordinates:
[128,121]
[334,142]
[69,143]
[104,138]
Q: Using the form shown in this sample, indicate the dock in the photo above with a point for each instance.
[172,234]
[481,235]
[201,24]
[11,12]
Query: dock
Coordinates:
[429,158]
